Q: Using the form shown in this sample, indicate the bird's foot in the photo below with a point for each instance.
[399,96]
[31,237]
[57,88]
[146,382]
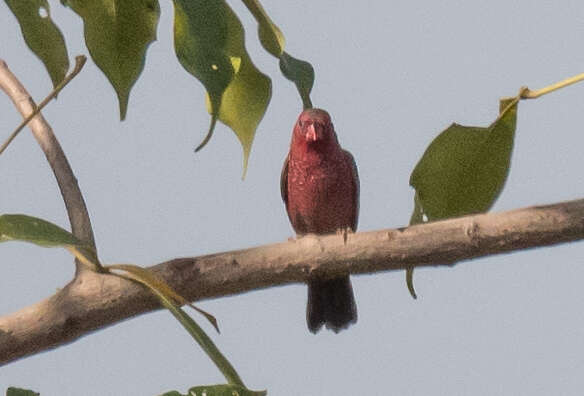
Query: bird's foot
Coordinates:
[344,232]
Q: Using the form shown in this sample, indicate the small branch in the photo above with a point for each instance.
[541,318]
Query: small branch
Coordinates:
[93,301]
[80,61]
[76,209]
[529,94]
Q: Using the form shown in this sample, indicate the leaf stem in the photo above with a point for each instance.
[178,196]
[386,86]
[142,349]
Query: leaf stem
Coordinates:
[529,94]
[306,102]
[79,62]
[258,12]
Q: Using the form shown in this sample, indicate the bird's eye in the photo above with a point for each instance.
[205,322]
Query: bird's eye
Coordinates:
[300,123]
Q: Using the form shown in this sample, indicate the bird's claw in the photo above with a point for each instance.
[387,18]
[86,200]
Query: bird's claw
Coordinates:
[345,233]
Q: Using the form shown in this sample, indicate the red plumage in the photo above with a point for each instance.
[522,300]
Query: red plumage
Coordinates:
[320,187]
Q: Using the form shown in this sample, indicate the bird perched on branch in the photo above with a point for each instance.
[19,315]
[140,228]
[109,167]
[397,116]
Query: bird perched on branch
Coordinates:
[320,187]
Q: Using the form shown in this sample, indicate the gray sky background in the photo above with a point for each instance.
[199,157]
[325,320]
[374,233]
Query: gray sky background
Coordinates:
[392,75]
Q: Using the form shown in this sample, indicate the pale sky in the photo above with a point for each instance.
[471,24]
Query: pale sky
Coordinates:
[392,75]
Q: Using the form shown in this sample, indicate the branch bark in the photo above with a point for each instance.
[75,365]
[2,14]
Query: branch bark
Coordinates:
[93,301]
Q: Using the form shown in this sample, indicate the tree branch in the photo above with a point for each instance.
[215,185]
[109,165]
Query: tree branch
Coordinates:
[43,133]
[93,301]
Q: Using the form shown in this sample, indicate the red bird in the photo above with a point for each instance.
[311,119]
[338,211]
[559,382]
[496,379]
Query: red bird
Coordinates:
[320,187]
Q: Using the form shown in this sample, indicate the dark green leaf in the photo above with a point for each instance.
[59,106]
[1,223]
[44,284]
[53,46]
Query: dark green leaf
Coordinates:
[301,73]
[117,34]
[42,36]
[218,390]
[224,390]
[204,33]
[20,392]
[465,168]
[209,43]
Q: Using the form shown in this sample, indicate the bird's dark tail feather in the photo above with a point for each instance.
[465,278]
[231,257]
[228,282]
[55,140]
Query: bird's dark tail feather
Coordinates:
[330,303]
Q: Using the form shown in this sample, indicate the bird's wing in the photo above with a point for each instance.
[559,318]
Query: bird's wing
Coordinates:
[355,180]
[284,182]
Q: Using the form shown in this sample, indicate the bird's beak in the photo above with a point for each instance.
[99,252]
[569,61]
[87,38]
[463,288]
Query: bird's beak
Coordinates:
[311,135]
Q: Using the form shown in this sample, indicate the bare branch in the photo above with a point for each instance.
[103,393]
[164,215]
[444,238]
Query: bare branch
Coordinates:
[93,301]
[76,209]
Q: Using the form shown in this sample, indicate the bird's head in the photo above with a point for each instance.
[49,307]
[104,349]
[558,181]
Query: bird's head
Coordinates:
[314,128]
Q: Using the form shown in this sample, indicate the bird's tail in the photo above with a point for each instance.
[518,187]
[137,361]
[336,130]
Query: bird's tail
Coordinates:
[330,303]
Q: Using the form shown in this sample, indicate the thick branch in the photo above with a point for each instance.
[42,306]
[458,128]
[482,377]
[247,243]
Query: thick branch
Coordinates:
[93,301]
[43,133]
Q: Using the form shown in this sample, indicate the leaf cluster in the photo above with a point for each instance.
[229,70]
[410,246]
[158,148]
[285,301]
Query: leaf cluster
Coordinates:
[208,42]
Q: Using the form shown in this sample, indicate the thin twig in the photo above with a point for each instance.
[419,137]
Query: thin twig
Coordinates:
[529,94]
[72,196]
[79,62]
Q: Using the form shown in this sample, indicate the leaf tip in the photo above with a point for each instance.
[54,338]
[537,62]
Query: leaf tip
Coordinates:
[246,150]
[209,133]
[123,101]
[410,283]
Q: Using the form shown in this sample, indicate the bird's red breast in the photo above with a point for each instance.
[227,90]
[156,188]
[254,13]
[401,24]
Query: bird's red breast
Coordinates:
[320,185]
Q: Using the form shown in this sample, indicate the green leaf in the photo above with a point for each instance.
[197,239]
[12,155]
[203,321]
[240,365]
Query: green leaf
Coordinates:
[42,36]
[465,168]
[209,43]
[20,392]
[19,227]
[205,33]
[463,171]
[301,73]
[117,34]
[218,390]
[244,104]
